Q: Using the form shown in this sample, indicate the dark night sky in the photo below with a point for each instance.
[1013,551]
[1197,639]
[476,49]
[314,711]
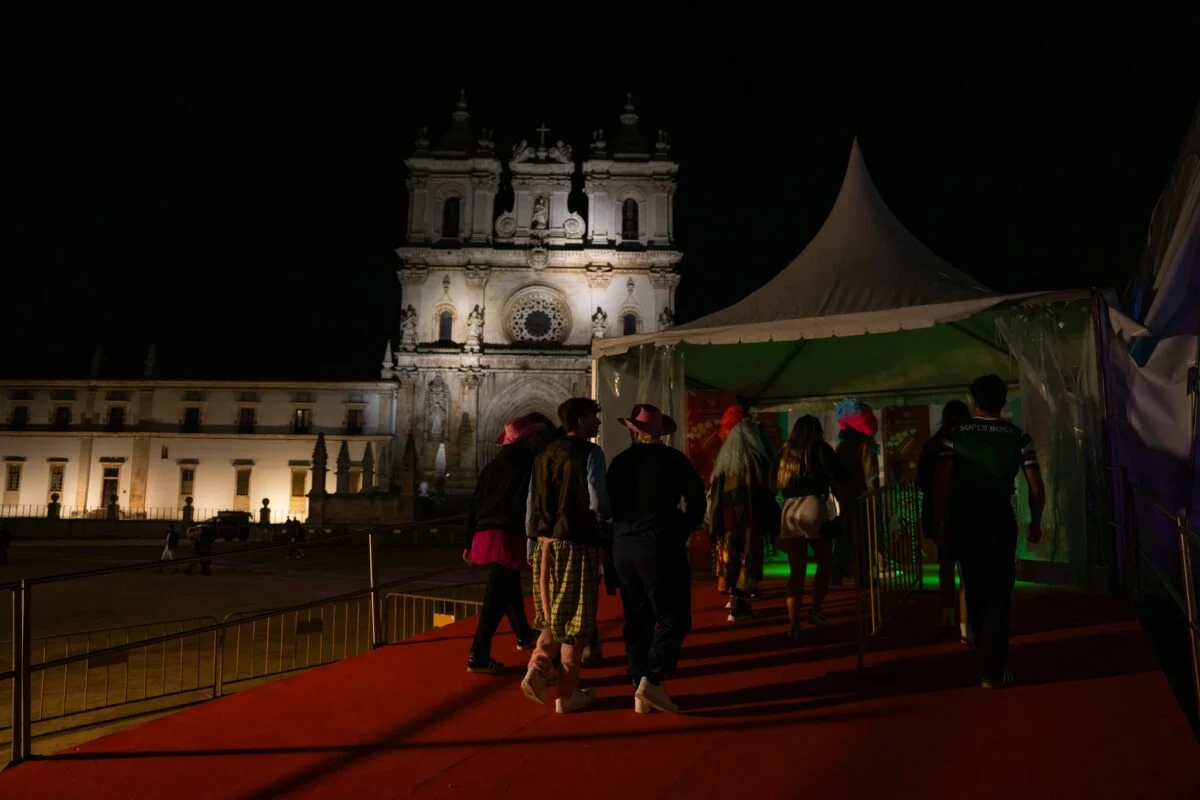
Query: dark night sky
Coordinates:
[231,187]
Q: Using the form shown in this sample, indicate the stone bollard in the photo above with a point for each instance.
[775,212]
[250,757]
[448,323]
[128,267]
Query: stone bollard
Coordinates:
[54,510]
[189,511]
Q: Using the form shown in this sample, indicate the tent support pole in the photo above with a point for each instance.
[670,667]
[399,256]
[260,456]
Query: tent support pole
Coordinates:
[787,362]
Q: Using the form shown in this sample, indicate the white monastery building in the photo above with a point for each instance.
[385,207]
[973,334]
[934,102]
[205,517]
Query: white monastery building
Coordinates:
[501,299]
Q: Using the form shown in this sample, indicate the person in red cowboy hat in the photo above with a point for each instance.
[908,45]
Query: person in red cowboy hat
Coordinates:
[645,485]
[496,539]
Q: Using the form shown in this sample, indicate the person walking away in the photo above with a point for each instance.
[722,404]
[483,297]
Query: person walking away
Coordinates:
[568,499]
[203,547]
[298,532]
[646,485]
[954,413]
[170,542]
[742,512]
[808,476]
[974,489]
[496,537]
[859,452]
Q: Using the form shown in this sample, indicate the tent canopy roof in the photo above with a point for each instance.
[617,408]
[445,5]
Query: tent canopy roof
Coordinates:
[862,259]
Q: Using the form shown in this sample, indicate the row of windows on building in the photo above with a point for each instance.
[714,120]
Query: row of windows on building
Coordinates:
[629,325]
[452,218]
[111,477]
[247,419]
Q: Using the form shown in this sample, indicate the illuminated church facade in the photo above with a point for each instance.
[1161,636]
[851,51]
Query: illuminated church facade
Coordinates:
[501,300]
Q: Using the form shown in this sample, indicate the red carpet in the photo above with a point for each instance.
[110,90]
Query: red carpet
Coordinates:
[1092,718]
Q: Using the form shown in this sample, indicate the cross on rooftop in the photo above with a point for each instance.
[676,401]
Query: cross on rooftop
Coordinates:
[542,131]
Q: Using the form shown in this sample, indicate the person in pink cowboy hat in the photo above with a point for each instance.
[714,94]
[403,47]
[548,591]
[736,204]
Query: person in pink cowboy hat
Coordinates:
[645,486]
[496,539]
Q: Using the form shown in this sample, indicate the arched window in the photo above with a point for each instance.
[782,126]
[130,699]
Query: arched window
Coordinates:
[445,327]
[450,210]
[629,219]
[629,325]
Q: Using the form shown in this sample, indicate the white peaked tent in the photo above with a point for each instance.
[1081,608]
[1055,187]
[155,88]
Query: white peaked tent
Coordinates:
[804,333]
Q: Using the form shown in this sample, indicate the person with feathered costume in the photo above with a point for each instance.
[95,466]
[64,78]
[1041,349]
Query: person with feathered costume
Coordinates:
[858,451]
[742,512]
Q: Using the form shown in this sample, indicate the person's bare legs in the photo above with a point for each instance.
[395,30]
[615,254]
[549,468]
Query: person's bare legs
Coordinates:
[797,555]
[823,551]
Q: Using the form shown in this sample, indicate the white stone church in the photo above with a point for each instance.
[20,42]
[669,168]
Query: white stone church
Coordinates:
[504,288]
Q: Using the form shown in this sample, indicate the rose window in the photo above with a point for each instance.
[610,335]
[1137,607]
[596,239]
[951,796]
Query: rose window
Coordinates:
[538,315]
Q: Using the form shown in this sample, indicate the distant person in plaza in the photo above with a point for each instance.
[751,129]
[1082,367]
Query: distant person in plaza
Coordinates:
[496,539]
[569,499]
[954,413]
[296,534]
[809,476]
[170,542]
[742,514]
[858,450]
[203,549]
[973,491]
[425,506]
[646,485]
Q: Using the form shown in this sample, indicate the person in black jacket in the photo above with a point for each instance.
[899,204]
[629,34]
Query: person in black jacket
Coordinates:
[496,538]
[646,485]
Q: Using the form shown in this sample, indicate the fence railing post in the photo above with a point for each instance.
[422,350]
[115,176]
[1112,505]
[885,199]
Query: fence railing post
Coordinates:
[22,699]
[218,662]
[1189,602]
[373,576]
[18,702]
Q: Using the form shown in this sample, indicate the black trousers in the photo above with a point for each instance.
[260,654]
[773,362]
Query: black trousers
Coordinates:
[986,545]
[502,598]
[656,592]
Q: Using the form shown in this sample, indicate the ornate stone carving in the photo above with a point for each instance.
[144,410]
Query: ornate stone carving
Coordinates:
[663,279]
[320,460]
[368,470]
[343,469]
[506,225]
[598,143]
[471,378]
[599,323]
[407,376]
[522,152]
[574,226]
[408,329]
[599,276]
[413,275]
[561,153]
[666,318]
[477,275]
[474,330]
[539,256]
[437,406]
[541,214]
[537,314]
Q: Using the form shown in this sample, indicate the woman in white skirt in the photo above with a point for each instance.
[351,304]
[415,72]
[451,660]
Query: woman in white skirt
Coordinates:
[809,477]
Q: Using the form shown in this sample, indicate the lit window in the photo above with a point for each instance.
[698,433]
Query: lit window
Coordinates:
[299,483]
[187,480]
[12,482]
[302,420]
[242,489]
[57,473]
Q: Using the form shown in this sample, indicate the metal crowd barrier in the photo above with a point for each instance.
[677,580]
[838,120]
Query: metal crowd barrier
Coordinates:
[411,614]
[885,528]
[367,622]
[1184,598]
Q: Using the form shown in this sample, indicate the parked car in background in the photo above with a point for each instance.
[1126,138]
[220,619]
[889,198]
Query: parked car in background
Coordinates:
[227,525]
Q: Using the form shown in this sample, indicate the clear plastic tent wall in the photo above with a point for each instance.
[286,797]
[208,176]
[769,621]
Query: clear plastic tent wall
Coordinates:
[1054,345]
[649,374]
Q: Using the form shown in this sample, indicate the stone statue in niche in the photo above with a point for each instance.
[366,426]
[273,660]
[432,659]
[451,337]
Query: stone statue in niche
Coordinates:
[599,323]
[666,318]
[437,404]
[408,328]
[474,329]
[541,216]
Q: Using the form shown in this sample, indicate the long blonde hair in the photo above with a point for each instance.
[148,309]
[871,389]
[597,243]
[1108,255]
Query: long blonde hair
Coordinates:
[799,454]
[744,453]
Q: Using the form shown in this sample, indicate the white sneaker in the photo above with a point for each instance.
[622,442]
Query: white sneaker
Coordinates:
[656,695]
[578,701]
[641,705]
[534,686]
